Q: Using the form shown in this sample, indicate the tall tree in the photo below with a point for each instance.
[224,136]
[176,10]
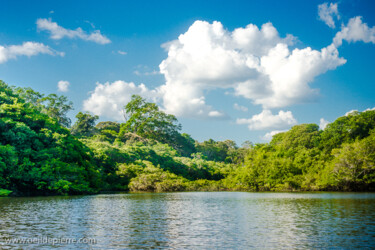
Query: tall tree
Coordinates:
[85,124]
[146,120]
[53,105]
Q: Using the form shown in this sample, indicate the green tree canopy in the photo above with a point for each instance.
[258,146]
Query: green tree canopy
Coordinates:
[52,105]
[85,124]
[146,120]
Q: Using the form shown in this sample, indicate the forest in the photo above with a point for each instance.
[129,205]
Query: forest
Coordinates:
[42,153]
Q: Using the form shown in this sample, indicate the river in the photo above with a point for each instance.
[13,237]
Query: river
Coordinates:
[193,220]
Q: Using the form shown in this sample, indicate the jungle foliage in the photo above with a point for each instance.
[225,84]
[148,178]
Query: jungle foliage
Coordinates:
[40,154]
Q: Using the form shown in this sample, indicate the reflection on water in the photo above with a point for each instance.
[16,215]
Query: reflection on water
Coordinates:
[193,220]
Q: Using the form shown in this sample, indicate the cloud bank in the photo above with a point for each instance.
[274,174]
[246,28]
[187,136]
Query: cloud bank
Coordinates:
[252,62]
[256,63]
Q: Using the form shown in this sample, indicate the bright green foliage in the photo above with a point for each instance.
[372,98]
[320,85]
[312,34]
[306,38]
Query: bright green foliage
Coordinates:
[218,151]
[353,167]
[52,105]
[355,125]
[4,192]
[85,124]
[118,163]
[108,131]
[294,160]
[146,120]
[155,179]
[37,154]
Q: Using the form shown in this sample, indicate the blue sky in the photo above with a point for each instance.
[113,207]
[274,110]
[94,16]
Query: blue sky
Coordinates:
[236,70]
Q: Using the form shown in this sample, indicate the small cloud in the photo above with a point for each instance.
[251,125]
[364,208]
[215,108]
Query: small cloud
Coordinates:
[147,73]
[91,24]
[216,114]
[152,73]
[239,107]
[266,120]
[26,49]
[327,13]
[51,12]
[122,52]
[355,31]
[63,86]
[323,123]
[57,32]
[268,136]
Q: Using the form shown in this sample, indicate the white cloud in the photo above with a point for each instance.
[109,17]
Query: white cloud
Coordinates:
[266,120]
[122,52]
[355,31]
[323,123]
[187,101]
[239,107]
[108,99]
[26,49]
[268,136]
[57,32]
[63,86]
[327,13]
[256,63]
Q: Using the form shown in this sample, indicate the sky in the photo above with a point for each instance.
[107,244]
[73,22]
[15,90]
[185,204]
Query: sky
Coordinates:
[238,70]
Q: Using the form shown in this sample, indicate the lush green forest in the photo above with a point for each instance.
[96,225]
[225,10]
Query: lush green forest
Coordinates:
[42,153]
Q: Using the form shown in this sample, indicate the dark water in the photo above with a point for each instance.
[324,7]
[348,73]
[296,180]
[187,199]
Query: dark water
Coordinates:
[235,220]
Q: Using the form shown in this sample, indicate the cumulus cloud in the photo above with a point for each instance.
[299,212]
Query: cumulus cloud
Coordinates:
[239,107]
[327,13]
[268,136]
[266,120]
[255,62]
[323,123]
[57,32]
[26,49]
[63,86]
[355,31]
[108,99]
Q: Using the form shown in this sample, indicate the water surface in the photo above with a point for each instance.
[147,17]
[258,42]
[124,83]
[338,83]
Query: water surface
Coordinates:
[193,220]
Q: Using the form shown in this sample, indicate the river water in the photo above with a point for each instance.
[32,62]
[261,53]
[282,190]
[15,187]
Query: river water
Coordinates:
[193,220]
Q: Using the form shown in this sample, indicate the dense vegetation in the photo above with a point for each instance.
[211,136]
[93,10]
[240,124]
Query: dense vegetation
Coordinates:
[41,154]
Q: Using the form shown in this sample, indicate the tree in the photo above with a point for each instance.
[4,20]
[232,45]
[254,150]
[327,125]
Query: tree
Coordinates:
[353,167]
[146,120]
[85,124]
[37,154]
[52,105]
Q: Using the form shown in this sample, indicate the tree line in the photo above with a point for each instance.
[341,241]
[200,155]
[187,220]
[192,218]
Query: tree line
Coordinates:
[41,153]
